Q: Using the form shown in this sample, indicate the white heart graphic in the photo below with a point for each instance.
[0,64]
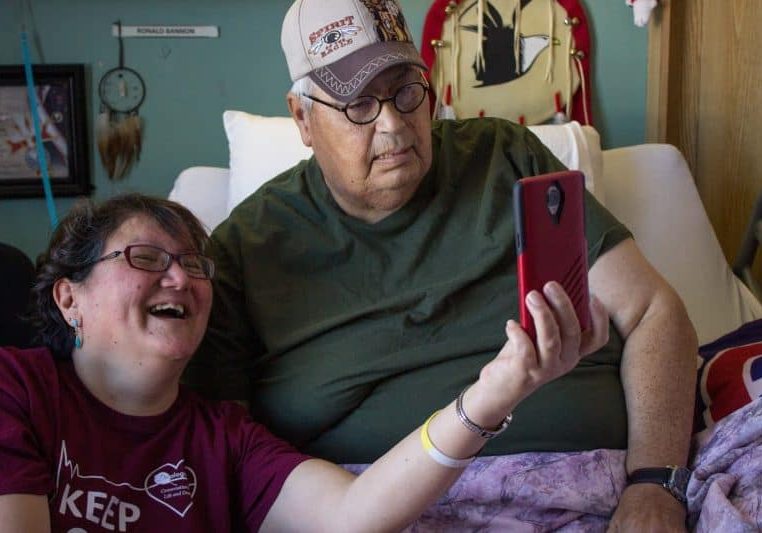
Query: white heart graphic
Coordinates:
[172,485]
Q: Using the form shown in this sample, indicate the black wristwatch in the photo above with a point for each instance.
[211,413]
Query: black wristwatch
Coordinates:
[673,478]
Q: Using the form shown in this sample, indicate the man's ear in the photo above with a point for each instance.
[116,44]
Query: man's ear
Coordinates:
[300,116]
[64,296]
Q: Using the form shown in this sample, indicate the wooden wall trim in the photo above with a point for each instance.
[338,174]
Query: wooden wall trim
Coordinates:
[657,85]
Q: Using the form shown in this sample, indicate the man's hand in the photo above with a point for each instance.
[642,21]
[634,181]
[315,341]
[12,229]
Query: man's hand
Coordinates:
[648,507]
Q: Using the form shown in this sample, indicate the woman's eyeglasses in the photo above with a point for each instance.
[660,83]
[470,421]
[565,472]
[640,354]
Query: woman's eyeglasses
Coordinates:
[155,259]
[366,109]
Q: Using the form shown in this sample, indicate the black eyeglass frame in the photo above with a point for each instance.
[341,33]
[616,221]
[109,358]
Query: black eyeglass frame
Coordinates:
[172,257]
[381,102]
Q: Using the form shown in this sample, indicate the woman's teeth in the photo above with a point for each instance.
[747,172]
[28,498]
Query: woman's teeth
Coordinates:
[168,309]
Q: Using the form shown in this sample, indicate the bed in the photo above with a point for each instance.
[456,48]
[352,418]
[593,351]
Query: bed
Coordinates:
[650,188]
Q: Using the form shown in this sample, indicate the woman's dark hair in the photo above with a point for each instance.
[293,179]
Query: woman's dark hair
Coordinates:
[78,242]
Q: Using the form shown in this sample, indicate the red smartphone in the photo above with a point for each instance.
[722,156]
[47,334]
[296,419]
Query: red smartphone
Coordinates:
[550,240]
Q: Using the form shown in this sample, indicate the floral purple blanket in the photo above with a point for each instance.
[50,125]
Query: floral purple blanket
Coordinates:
[579,491]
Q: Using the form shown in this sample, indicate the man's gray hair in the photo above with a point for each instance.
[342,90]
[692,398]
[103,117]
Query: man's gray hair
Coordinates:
[304,86]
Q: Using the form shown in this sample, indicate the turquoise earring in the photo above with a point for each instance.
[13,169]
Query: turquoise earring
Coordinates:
[77,337]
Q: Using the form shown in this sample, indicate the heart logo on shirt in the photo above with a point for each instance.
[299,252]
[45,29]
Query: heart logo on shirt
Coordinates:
[172,486]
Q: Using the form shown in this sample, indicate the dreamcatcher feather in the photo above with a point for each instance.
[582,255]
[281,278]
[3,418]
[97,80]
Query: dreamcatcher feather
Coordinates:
[119,142]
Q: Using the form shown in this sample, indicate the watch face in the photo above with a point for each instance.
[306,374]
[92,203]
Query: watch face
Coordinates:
[678,484]
[122,90]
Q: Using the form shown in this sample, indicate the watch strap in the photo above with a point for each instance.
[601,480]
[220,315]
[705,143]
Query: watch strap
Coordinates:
[672,478]
[651,475]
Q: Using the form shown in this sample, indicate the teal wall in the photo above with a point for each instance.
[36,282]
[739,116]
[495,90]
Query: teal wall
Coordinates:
[190,82]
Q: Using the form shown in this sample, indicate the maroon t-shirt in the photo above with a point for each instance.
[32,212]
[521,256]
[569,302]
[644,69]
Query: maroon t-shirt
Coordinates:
[200,466]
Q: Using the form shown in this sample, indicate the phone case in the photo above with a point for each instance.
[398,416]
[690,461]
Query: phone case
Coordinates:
[550,239]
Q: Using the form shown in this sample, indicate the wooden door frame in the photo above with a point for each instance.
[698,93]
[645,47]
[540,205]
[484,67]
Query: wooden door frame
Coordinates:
[657,86]
[674,70]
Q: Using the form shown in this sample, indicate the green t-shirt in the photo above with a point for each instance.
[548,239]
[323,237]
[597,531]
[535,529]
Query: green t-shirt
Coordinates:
[345,335]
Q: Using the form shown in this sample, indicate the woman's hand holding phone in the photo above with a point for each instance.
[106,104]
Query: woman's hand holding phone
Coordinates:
[523,364]
[560,321]
[564,318]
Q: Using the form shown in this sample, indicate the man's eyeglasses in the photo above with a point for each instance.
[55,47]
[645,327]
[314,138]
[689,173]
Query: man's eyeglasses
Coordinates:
[366,109]
[155,259]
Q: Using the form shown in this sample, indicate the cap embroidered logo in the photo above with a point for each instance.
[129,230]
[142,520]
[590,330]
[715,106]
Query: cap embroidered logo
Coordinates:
[333,36]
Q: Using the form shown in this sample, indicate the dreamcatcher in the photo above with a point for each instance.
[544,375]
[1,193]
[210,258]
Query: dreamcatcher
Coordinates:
[118,127]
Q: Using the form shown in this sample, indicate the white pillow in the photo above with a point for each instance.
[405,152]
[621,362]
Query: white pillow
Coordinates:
[579,148]
[263,147]
[260,149]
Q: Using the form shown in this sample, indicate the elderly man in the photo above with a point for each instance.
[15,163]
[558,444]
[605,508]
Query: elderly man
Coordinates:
[363,287]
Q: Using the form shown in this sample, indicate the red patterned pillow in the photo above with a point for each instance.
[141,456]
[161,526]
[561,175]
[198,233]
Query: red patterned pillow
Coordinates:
[730,374]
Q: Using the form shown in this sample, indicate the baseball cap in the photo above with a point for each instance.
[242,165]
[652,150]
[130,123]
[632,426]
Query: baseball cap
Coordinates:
[343,44]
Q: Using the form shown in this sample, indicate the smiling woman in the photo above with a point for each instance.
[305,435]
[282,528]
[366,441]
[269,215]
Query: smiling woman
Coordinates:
[79,244]
[122,301]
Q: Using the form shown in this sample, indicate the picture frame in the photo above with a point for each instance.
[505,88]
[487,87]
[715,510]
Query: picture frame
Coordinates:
[60,90]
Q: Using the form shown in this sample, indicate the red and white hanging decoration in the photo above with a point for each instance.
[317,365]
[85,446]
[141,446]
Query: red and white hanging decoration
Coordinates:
[641,10]
[525,60]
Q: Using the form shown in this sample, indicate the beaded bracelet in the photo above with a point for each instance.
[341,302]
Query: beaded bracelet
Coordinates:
[438,456]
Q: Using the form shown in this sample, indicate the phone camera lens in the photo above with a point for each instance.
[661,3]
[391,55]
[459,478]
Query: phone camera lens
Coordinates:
[554,199]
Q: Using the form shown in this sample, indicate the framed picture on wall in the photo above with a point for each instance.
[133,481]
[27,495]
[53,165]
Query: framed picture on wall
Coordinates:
[60,98]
